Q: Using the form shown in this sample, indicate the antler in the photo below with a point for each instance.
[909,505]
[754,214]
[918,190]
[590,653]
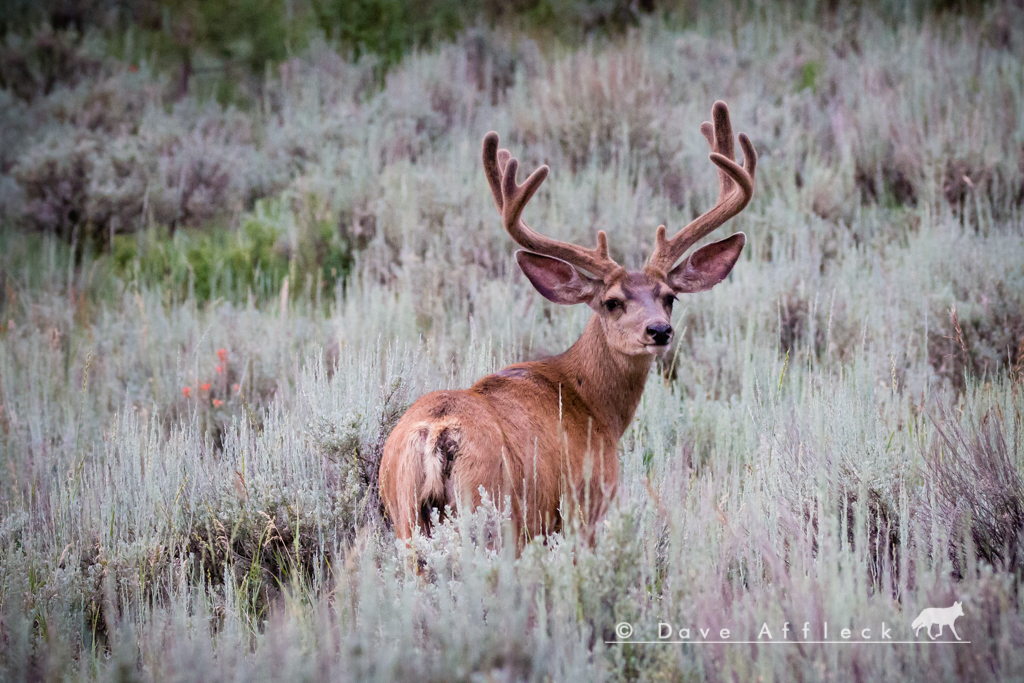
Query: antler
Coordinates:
[735,187]
[511,198]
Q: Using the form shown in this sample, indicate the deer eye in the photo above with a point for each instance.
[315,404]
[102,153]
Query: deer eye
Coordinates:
[669,300]
[612,305]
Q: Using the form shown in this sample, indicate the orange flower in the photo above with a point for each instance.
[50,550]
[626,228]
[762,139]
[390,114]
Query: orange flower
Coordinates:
[222,354]
[217,403]
[220,369]
[205,387]
[186,391]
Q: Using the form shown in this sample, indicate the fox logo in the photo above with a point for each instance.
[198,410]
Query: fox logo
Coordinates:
[942,616]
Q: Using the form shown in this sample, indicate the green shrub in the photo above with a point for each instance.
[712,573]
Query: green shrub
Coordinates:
[388,28]
[208,263]
[218,262]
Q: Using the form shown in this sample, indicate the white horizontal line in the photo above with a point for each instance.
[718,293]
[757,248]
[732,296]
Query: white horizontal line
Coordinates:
[787,642]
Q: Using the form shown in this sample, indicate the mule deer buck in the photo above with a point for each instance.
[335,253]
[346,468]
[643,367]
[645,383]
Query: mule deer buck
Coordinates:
[548,430]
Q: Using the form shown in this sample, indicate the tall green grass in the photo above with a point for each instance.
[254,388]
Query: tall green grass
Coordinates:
[187,487]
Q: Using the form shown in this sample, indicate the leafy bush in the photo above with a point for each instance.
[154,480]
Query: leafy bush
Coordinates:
[33,65]
[183,170]
[388,28]
[256,258]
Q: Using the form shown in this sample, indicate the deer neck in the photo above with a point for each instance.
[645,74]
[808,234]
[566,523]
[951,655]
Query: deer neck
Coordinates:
[609,382]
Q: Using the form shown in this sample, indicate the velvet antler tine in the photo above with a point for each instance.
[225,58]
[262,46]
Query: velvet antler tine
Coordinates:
[530,187]
[749,155]
[735,172]
[492,168]
[708,131]
[517,196]
[724,141]
[509,187]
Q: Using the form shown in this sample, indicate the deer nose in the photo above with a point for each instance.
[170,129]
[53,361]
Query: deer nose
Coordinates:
[660,333]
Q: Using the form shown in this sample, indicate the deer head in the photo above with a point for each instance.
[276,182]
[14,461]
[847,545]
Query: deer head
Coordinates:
[634,307]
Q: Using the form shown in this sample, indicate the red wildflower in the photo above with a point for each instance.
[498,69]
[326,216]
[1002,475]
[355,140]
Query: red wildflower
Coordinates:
[217,403]
[186,391]
[220,369]
[234,388]
[205,387]
[222,354]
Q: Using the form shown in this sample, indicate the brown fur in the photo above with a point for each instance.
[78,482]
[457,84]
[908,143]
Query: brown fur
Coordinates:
[545,433]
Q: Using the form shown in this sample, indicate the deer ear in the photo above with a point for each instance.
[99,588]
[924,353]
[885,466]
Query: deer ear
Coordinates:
[706,267]
[556,280]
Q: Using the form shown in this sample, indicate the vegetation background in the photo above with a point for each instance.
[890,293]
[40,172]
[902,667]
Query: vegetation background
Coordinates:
[238,238]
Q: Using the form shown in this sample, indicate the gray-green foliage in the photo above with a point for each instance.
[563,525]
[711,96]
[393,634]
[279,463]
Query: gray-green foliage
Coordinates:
[784,464]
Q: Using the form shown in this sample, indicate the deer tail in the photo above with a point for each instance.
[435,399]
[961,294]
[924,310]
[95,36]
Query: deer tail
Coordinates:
[437,447]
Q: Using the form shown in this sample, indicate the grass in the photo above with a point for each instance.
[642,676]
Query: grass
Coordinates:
[827,443]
